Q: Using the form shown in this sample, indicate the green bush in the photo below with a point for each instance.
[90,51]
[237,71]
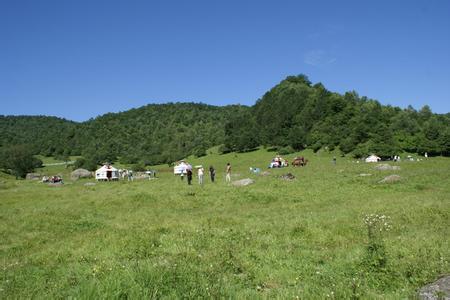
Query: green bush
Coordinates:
[286,150]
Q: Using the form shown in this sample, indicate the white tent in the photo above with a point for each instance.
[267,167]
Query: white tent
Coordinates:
[373,158]
[181,168]
[107,172]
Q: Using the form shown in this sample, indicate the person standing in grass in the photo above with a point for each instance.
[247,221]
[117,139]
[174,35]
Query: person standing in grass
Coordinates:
[189,176]
[228,171]
[212,173]
[200,175]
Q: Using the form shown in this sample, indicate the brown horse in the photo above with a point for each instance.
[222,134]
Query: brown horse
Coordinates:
[299,162]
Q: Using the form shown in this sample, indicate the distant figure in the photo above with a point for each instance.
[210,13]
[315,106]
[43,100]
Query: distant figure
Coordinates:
[130,175]
[228,172]
[189,176]
[426,155]
[334,160]
[212,173]
[200,175]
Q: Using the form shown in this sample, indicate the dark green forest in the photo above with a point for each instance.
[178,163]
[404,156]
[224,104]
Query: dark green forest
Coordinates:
[293,115]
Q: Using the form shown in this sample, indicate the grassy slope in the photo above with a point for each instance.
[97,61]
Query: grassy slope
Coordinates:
[274,238]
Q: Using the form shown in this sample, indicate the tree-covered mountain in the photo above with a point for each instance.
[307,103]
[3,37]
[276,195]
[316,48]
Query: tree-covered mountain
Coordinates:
[293,115]
[296,114]
[299,114]
[150,134]
[42,134]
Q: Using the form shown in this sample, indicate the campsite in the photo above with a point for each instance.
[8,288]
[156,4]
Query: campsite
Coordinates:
[225,150]
[303,238]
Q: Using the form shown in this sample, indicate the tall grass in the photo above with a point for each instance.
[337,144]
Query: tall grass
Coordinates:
[273,239]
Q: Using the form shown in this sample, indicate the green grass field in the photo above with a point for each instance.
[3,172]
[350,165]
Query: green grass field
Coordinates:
[274,239]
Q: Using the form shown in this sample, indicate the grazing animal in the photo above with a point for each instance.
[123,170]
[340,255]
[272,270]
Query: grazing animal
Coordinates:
[299,162]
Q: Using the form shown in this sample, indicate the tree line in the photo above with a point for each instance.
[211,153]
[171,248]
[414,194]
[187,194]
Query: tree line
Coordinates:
[293,115]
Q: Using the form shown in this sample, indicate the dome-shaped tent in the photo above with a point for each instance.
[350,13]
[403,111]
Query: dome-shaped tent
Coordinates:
[181,168]
[373,158]
[107,172]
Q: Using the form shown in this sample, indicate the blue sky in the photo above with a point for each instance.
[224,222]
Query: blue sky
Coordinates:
[80,59]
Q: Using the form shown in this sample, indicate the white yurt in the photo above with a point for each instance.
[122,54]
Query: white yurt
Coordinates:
[107,172]
[181,168]
[373,158]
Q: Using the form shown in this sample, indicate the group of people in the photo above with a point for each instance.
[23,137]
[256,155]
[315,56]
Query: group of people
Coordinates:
[126,174]
[52,179]
[278,162]
[201,172]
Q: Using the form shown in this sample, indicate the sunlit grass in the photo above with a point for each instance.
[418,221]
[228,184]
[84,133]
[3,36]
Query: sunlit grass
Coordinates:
[275,238]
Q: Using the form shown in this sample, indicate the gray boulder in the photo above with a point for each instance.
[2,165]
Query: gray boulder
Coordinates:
[385,167]
[390,179]
[33,176]
[439,289]
[288,176]
[80,173]
[243,182]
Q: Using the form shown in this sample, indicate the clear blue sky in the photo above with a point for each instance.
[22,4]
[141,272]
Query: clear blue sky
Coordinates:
[80,59]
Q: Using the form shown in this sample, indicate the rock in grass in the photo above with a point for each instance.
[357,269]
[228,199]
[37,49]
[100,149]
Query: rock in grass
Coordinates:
[265,173]
[243,182]
[385,167]
[33,176]
[365,174]
[390,179]
[439,289]
[288,176]
[80,173]
[89,184]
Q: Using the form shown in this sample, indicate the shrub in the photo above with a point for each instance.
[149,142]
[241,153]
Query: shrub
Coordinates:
[286,150]
[223,149]
[139,167]
[18,160]
[88,164]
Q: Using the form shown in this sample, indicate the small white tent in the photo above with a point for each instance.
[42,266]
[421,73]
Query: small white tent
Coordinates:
[107,172]
[373,158]
[181,168]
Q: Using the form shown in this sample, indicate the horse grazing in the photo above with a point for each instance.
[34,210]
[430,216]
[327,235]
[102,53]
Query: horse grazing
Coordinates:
[299,162]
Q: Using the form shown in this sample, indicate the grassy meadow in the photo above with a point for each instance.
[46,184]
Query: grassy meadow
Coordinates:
[161,238]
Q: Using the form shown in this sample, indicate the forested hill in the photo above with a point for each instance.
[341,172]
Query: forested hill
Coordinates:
[297,114]
[152,134]
[293,115]
[44,135]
